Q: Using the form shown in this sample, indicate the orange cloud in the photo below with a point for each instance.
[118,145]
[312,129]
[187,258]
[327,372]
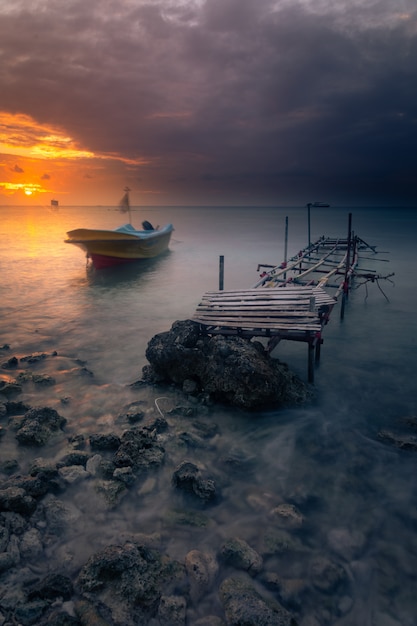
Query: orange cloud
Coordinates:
[33,143]
[21,135]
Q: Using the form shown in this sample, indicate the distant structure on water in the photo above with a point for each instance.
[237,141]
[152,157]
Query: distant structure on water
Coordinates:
[54,204]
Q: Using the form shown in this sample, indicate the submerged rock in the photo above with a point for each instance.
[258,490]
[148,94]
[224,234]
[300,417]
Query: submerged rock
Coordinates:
[11,363]
[229,369]
[128,581]
[16,500]
[188,478]
[52,586]
[9,387]
[140,450]
[38,426]
[202,569]
[172,611]
[287,516]
[111,441]
[327,575]
[243,604]
[238,553]
[401,441]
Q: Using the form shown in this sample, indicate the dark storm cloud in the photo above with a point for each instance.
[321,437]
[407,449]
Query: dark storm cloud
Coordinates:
[270,99]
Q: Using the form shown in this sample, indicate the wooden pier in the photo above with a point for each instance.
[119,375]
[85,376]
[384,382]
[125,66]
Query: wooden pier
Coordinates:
[294,313]
[292,301]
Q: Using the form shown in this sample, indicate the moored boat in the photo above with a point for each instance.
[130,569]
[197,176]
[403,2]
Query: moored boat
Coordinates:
[125,244]
[320,204]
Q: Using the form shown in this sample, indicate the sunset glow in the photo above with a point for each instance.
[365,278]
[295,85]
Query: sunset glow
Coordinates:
[33,152]
[21,135]
[188,102]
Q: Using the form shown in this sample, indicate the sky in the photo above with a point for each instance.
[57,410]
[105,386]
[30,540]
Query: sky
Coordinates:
[208,102]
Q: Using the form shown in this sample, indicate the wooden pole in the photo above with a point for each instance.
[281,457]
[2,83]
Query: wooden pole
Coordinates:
[286,245]
[342,306]
[286,240]
[221,273]
[310,361]
[347,266]
[308,222]
[318,348]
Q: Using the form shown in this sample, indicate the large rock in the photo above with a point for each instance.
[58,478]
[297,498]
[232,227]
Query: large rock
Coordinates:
[230,369]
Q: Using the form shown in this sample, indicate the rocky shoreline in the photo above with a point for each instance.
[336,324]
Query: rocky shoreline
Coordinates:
[283,580]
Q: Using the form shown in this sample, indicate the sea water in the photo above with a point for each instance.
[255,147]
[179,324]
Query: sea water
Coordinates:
[326,456]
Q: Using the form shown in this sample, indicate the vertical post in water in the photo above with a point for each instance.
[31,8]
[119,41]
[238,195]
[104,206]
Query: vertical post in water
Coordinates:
[310,361]
[308,223]
[221,273]
[347,267]
[286,245]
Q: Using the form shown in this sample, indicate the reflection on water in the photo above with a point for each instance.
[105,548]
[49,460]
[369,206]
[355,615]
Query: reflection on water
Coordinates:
[356,494]
[131,274]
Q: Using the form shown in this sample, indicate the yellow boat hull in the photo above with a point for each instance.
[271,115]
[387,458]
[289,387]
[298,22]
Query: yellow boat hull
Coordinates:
[106,248]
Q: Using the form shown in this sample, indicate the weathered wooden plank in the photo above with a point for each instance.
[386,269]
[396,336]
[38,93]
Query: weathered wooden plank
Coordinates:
[257,324]
[260,304]
[277,302]
[253,319]
[272,293]
[300,334]
[286,313]
[266,292]
[244,314]
[264,328]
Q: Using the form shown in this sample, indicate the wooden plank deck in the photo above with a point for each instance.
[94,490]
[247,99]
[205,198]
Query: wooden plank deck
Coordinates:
[300,308]
[292,313]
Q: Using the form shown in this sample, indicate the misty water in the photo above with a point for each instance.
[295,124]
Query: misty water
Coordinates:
[356,492]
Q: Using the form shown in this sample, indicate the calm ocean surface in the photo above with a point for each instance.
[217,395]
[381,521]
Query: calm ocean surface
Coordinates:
[325,457]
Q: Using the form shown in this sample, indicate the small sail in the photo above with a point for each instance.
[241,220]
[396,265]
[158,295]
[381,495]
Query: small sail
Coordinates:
[124,204]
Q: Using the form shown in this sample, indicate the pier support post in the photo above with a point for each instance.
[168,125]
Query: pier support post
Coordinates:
[319,341]
[342,306]
[310,362]
[286,245]
[347,267]
[221,273]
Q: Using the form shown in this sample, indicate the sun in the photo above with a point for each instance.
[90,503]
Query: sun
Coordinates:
[28,192]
